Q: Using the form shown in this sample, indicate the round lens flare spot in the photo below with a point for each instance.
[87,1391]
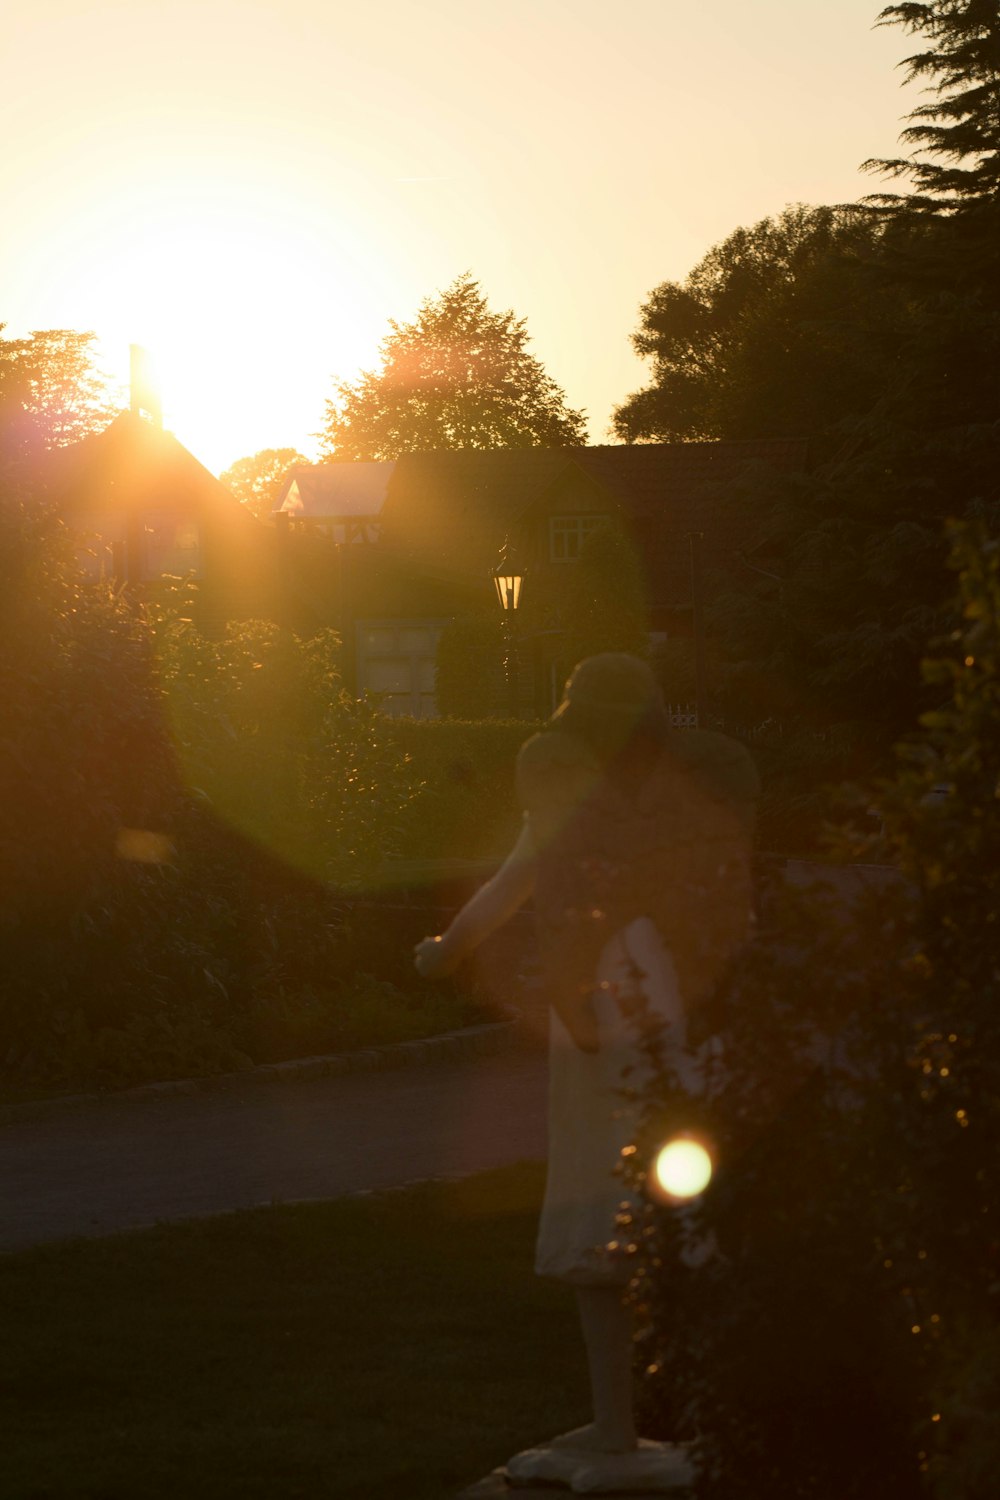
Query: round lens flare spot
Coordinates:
[683,1168]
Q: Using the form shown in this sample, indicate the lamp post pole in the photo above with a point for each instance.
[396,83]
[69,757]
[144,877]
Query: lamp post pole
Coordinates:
[508,579]
[698,622]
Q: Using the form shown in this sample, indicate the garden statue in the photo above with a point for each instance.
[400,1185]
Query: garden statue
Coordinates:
[635,848]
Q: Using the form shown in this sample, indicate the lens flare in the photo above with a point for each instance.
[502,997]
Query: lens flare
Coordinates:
[144,847]
[683,1168]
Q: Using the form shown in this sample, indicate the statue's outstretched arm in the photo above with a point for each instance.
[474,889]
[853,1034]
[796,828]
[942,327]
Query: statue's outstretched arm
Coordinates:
[482,914]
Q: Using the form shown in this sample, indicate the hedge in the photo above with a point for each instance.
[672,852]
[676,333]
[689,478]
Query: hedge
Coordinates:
[465,805]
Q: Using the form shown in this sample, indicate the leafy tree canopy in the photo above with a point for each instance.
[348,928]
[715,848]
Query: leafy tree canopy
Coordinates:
[458,376]
[256,480]
[51,391]
[874,331]
[778,331]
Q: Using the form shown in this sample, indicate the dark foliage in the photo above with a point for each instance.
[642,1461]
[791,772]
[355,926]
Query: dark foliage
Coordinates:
[955,166]
[780,331]
[469,680]
[465,806]
[187,825]
[604,605]
[823,1319]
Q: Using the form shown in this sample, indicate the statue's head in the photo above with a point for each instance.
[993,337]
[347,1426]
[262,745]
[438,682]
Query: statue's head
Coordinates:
[613,701]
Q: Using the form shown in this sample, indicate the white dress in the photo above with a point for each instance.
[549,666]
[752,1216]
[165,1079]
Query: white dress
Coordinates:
[591,1119]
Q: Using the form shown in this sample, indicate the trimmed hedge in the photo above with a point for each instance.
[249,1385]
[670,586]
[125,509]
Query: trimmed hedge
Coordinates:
[465,804]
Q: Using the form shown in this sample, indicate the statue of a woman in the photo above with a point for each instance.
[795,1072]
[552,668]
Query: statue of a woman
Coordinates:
[635,848]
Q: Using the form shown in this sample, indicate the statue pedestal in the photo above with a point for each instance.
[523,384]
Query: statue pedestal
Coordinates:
[653,1469]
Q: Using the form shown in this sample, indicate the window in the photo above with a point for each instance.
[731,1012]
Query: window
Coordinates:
[170,544]
[567,534]
[396,660]
[101,547]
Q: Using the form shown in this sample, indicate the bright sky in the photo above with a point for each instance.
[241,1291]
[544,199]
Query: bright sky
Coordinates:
[252,188]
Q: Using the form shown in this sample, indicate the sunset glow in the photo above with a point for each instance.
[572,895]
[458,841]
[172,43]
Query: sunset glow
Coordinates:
[227,297]
[252,191]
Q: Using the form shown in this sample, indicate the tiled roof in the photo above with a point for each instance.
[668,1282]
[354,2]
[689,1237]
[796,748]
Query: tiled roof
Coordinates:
[133,464]
[453,509]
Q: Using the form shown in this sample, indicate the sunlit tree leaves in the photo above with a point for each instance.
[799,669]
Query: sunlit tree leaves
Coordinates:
[256,480]
[51,391]
[457,376]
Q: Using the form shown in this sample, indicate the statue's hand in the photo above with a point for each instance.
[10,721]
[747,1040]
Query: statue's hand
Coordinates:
[433,960]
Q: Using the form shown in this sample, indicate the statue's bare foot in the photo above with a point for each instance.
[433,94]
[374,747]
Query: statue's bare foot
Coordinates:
[593,1439]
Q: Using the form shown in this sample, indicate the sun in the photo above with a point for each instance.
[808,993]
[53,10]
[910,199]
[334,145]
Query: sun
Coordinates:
[248,309]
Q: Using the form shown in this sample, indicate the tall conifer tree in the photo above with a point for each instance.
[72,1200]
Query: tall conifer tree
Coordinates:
[955,165]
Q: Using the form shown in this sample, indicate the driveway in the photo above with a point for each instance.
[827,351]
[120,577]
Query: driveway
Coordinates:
[120,1163]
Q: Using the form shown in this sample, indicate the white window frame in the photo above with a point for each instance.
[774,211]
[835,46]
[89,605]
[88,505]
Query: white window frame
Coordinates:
[416,702]
[568,532]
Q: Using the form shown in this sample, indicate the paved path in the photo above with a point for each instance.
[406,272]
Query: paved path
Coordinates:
[121,1163]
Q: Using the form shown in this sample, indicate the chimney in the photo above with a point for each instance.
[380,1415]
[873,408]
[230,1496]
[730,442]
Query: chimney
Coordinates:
[144,386]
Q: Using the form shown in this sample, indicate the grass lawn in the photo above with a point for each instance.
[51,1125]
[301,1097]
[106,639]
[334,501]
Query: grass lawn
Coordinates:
[394,1347]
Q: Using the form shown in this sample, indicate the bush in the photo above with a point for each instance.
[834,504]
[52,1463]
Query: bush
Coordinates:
[266,736]
[466,805]
[182,819]
[823,1318]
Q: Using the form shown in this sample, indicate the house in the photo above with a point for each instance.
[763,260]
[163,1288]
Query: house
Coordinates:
[142,507]
[390,552]
[342,502]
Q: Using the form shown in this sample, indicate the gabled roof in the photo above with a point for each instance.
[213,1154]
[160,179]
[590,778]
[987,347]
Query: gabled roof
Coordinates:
[134,465]
[335,491]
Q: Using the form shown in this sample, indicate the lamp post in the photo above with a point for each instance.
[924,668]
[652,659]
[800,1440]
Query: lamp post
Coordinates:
[698,621]
[508,579]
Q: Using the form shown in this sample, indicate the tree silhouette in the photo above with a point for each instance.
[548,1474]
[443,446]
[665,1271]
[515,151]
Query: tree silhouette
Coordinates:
[257,479]
[458,376]
[956,133]
[51,391]
[778,331]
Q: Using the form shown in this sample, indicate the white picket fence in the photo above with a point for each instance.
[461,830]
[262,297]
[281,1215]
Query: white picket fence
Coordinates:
[683,715]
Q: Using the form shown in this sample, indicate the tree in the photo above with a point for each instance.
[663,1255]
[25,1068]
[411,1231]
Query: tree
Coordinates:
[51,391]
[956,165]
[951,219]
[876,332]
[256,481]
[458,376]
[857,545]
[780,330]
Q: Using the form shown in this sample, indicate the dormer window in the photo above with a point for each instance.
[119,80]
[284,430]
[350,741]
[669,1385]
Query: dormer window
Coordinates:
[567,534]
